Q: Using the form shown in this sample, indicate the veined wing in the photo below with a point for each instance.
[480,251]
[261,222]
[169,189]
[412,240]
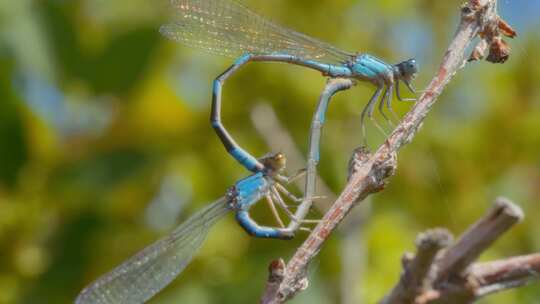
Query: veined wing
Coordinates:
[226,27]
[142,276]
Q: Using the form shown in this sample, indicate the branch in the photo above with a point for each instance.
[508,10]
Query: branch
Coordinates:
[451,277]
[370,174]
[478,238]
[416,269]
[505,274]
[276,272]
[266,122]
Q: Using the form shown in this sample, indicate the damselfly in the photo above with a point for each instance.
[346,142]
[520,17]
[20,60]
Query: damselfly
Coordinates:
[145,274]
[226,27]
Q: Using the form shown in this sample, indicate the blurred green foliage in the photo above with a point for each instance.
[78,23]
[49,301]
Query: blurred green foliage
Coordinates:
[104,130]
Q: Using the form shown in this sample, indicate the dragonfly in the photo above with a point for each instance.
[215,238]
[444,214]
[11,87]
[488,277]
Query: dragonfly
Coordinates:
[228,28]
[142,276]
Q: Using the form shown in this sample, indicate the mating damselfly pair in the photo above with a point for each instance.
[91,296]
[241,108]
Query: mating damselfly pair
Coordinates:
[226,27]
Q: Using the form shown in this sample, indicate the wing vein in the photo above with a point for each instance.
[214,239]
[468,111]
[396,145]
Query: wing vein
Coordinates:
[228,28]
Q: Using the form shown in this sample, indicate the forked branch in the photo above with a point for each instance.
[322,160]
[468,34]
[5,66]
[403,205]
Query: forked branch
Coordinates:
[479,18]
[447,274]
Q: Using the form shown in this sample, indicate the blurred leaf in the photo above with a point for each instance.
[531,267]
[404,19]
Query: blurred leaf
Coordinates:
[101,171]
[13,148]
[116,68]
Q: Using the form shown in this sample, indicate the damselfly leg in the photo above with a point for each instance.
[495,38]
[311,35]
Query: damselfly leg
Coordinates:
[283,205]
[272,206]
[387,95]
[398,93]
[368,111]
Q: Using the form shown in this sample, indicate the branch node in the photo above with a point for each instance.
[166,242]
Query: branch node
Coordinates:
[416,269]
[359,158]
[276,271]
[434,239]
[407,259]
[383,168]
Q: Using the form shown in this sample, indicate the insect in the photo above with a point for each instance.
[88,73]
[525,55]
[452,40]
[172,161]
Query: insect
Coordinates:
[146,273]
[226,27]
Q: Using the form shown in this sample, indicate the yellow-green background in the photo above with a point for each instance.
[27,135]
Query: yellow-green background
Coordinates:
[103,122]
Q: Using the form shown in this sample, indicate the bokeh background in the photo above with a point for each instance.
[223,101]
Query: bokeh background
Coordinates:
[105,145]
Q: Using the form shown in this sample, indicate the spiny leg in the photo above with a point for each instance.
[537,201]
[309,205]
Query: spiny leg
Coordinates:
[288,180]
[389,103]
[280,201]
[387,92]
[274,210]
[286,192]
[398,93]
[243,157]
[369,108]
[410,87]
[293,197]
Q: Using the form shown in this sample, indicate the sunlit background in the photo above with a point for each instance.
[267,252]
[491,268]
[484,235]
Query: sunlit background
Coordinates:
[105,145]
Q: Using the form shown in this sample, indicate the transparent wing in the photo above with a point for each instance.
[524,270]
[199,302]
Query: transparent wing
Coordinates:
[226,27]
[146,273]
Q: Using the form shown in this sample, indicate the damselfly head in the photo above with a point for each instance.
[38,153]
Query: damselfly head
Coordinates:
[407,70]
[275,162]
